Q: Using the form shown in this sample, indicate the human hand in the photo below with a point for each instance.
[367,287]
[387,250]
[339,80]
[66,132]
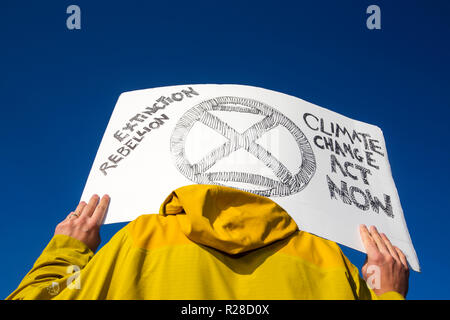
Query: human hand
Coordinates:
[84,223]
[386,268]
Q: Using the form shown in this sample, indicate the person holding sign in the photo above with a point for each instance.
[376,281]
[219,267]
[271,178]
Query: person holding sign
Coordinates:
[208,242]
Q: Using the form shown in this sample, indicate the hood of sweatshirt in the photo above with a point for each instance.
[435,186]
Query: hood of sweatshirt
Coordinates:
[228,219]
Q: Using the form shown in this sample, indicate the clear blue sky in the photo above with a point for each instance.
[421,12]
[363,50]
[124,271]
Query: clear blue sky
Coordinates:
[58,88]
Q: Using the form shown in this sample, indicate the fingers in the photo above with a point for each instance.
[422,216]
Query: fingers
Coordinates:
[100,210]
[93,209]
[88,210]
[378,240]
[368,242]
[78,210]
[402,257]
[374,243]
[389,246]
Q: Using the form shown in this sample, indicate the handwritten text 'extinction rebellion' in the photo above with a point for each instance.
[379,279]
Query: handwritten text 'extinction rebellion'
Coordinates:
[140,125]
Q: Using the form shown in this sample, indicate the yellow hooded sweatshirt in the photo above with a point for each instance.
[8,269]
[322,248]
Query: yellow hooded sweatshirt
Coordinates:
[207,242]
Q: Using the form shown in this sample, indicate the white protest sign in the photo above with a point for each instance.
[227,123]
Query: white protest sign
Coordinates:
[329,172]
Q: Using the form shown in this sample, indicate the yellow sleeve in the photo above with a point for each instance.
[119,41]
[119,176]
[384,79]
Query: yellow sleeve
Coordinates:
[54,268]
[391,295]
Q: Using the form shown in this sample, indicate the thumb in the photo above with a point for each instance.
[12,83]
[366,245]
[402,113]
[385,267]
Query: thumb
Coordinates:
[364,267]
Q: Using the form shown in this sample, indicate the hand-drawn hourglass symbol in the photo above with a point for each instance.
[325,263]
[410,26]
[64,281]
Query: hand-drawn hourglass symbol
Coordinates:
[288,183]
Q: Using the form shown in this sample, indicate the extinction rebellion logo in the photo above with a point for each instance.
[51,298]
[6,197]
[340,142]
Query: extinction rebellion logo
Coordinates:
[287,182]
